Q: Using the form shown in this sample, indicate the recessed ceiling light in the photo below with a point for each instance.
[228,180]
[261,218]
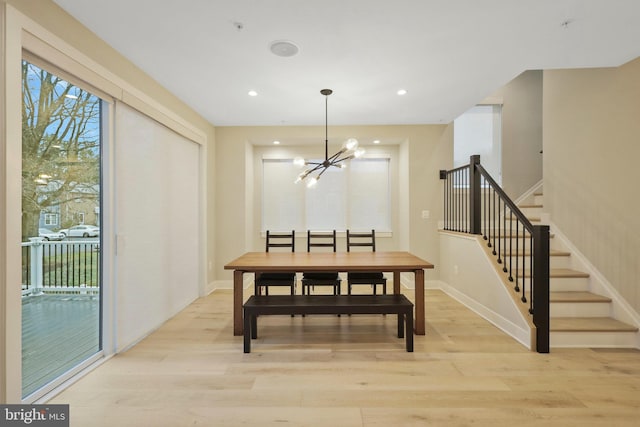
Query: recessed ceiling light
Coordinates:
[402,92]
[253,93]
[376,141]
[284,48]
[276,142]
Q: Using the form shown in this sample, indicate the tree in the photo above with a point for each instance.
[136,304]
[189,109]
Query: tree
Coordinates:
[60,143]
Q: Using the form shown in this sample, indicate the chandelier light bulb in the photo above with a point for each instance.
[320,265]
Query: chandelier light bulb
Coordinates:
[351,144]
[359,152]
[299,161]
[312,182]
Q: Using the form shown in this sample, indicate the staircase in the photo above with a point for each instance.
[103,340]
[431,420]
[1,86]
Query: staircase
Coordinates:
[578,316]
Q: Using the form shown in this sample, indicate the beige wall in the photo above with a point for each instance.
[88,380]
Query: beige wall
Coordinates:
[419,153]
[54,19]
[49,27]
[522,133]
[591,174]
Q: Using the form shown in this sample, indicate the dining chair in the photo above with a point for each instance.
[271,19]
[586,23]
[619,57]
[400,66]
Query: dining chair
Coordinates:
[372,278]
[286,278]
[310,279]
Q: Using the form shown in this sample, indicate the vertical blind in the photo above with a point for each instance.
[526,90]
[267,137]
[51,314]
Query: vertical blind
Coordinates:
[157,229]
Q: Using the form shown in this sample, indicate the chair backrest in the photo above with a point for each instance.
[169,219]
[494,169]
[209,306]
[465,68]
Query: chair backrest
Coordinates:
[361,239]
[321,239]
[281,240]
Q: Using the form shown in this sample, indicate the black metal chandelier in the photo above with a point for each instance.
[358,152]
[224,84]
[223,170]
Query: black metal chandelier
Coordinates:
[348,151]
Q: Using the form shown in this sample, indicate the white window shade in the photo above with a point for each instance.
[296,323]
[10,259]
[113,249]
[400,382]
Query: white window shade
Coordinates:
[281,198]
[326,203]
[369,195]
[357,197]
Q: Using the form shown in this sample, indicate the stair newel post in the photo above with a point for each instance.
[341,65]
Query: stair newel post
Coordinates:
[474,195]
[541,286]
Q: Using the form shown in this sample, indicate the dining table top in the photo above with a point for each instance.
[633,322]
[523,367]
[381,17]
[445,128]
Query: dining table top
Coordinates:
[328,261]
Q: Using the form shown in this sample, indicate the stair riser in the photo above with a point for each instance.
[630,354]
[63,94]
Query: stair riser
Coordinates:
[593,339]
[561,284]
[554,262]
[559,262]
[569,284]
[582,309]
[538,200]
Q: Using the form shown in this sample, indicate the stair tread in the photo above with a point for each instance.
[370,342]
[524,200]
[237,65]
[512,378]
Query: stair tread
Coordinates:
[566,273]
[538,194]
[589,324]
[530,205]
[577,297]
[503,234]
[552,252]
[530,218]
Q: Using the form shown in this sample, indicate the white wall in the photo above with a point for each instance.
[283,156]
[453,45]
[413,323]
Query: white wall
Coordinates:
[469,276]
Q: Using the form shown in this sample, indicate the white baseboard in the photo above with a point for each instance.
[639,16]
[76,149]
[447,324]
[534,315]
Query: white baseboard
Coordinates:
[521,335]
[228,284]
[529,193]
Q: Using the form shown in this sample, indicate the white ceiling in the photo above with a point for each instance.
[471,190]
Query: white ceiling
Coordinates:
[448,54]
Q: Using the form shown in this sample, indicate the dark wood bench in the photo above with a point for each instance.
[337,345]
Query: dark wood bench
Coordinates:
[328,304]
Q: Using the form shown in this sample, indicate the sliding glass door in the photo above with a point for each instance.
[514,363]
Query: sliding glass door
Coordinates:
[61,199]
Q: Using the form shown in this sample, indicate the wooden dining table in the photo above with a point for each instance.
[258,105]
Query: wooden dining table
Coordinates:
[385,262]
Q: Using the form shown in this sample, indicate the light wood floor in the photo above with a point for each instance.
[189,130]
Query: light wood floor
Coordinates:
[352,371]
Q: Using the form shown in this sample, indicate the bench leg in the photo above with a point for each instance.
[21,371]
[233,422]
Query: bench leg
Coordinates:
[247,332]
[254,327]
[409,338]
[401,325]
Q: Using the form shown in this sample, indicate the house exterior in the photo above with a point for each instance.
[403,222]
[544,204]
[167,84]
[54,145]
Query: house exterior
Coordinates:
[80,206]
[586,120]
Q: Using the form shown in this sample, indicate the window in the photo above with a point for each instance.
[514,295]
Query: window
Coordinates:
[357,197]
[50,219]
[80,217]
[61,152]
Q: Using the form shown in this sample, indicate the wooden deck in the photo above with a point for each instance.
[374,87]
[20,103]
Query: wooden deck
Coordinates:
[58,332]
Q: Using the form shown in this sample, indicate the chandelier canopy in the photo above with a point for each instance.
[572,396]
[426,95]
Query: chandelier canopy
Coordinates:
[348,151]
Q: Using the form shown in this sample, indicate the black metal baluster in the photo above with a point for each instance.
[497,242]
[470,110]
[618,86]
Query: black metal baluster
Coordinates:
[500,232]
[517,287]
[85,263]
[494,221]
[510,246]
[484,201]
[444,204]
[489,188]
[531,274]
[454,217]
[465,201]
[66,267]
[73,265]
[459,197]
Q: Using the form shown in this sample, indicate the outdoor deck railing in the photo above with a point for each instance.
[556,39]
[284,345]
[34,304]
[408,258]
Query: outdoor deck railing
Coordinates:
[475,204]
[64,266]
